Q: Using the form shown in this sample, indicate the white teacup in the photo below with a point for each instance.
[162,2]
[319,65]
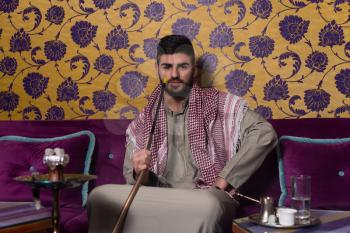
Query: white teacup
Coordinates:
[286,216]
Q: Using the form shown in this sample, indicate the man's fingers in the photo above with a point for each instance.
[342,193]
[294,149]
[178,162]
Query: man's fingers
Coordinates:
[141,160]
[143,167]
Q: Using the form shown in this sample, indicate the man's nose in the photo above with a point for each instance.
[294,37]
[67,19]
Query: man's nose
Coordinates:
[174,72]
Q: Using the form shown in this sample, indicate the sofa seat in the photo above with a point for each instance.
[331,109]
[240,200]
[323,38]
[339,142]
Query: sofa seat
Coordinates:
[108,156]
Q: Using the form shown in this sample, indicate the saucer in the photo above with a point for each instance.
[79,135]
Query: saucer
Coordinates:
[255,218]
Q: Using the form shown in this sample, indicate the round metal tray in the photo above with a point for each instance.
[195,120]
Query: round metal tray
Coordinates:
[313,221]
[42,180]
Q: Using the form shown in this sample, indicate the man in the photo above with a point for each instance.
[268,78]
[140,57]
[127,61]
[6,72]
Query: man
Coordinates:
[205,145]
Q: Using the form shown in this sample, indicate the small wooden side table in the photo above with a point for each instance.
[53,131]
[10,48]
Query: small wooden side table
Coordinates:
[331,221]
[22,217]
[43,181]
[38,226]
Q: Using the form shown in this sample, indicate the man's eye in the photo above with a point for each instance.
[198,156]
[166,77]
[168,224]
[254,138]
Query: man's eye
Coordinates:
[184,67]
[166,67]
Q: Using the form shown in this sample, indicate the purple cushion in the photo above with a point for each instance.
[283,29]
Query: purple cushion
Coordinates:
[108,165]
[76,223]
[327,161]
[23,155]
[74,220]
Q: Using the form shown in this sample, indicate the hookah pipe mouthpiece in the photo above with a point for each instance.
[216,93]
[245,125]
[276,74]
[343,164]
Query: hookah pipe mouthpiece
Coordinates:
[248,198]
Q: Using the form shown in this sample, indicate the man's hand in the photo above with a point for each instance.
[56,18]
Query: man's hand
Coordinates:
[141,160]
[221,183]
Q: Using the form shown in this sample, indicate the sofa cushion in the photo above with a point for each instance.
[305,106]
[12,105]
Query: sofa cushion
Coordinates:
[327,161]
[24,155]
[74,220]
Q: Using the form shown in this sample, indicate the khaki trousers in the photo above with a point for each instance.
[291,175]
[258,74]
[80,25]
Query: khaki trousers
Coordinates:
[161,210]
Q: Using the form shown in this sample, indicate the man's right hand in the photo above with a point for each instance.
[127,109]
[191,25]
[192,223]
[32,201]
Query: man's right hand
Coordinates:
[141,160]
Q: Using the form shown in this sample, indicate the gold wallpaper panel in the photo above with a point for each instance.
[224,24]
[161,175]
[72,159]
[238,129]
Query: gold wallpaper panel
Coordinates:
[93,59]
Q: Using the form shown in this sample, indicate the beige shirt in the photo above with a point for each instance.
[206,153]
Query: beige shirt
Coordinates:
[257,139]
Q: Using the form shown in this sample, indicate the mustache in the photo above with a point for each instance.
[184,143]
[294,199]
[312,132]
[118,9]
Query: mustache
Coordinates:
[175,79]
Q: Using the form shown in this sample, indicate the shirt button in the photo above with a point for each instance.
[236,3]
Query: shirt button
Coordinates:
[32,169]
[110,156]
[341,173]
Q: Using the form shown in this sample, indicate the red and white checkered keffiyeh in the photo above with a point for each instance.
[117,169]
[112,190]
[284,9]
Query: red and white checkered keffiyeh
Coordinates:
[213,125]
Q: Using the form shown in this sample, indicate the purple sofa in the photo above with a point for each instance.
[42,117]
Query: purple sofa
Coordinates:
[106,160]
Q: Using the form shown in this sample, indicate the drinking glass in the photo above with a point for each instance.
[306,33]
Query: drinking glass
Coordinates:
[301,196]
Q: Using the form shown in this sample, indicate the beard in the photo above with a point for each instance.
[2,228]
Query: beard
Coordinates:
[180,92]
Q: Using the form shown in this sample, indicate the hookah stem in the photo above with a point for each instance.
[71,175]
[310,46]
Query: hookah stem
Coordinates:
[119,225]
[249,198]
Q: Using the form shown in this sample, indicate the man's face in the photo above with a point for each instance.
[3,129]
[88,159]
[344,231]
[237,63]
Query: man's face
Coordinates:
[176,71]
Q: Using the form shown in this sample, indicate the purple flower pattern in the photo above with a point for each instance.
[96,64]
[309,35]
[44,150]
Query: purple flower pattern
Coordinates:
[31,113]
[8,6]
[8,65]
[222,36]
[83,32]
[317,61]
[238,82]
[207,2]
[261,8]
[103,100]
[332,34]
[293,28]
[186,27]
[347,49]
[55,14]
[8,100]
[316,99]
[264,111]
[128,111]
[133,83]
[35,84]
[67,91]
[208,63]
[261,46]
[155,11]
[342,81]
[104,64]
[55,113]
[20,42]
[117,39]
[103,4]
[150,47]
[276,89]
[55,50]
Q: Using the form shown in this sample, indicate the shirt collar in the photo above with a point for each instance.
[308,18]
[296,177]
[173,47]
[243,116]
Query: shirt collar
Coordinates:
[184,107]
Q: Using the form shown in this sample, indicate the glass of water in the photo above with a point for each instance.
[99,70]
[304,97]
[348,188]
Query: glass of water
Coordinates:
[301,196]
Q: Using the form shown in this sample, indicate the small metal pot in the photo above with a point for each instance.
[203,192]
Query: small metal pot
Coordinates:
[266,208]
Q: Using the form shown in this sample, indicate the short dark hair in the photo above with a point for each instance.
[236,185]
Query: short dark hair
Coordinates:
[175,44]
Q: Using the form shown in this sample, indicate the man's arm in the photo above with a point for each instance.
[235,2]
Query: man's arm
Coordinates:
[134,163]
[258,138]
[132,168]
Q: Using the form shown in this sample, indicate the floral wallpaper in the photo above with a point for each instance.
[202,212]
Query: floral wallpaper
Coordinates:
[94,59]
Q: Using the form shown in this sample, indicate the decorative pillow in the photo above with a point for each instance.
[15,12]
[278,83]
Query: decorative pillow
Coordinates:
[327,161]
[24,155]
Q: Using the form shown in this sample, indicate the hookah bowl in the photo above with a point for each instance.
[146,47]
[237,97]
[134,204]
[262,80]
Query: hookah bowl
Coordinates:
[55,159]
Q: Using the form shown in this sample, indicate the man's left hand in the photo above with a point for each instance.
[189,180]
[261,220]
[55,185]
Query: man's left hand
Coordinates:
[221,183]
